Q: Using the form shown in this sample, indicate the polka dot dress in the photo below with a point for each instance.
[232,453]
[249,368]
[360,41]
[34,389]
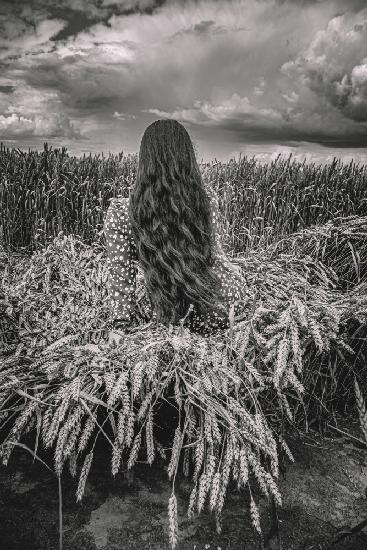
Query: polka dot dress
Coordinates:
[122,265]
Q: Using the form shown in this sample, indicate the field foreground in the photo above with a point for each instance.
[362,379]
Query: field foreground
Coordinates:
[295,360]
[323,492]
[233,397]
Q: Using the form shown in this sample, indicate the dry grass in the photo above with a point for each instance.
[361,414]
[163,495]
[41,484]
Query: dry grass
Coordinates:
[340,244]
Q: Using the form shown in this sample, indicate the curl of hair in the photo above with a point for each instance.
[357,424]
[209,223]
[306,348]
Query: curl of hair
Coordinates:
[172,226]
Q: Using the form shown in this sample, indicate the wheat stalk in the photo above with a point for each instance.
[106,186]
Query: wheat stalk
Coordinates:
[361,406]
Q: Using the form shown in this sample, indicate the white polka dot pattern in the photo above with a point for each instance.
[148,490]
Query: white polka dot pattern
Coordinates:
[121,260]
[122,263]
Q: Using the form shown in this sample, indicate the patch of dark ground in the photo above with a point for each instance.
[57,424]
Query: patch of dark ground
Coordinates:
[323,491]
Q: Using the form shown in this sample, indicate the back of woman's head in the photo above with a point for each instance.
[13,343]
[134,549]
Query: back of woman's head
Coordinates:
[171,224]
[166,145]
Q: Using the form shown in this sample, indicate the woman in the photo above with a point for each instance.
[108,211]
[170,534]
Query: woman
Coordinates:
[169,225]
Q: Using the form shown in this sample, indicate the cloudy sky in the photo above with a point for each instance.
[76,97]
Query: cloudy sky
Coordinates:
[244,76]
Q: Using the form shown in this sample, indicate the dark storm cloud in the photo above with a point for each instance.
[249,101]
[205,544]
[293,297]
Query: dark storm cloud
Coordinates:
[78,15]
[204,28]
[322,100]
[250,132]
[246,123]
[76,21]
[261,71]
[7,89]
[349,5]
[128,7]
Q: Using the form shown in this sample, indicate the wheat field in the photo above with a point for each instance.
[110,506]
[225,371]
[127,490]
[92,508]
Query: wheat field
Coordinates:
[51,191]
[297,355]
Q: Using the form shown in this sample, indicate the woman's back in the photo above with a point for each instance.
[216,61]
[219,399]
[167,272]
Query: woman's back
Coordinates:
[123,265]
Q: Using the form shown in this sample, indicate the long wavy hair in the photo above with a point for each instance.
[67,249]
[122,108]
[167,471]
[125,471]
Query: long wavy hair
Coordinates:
[172,228]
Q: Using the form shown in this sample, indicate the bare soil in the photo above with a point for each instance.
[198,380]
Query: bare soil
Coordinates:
[323,492]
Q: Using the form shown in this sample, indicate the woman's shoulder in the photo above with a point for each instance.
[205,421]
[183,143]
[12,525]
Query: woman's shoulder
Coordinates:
[119,209]
[119,200]
[119,204]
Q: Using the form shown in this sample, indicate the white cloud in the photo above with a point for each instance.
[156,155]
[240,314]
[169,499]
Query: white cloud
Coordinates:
[334,65]
[45,126]
[15,125]
[122,116]
[358,95]
[236,107]
[291,96]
